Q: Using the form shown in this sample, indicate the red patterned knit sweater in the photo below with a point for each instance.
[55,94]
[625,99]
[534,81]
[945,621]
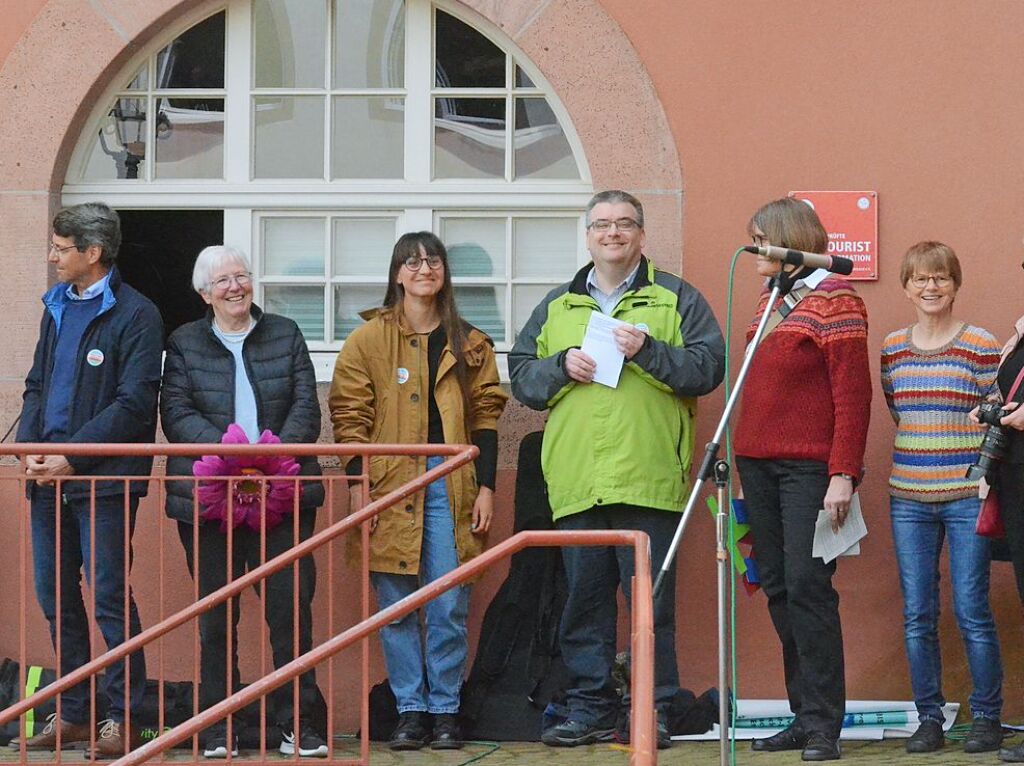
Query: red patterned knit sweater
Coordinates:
[808,392]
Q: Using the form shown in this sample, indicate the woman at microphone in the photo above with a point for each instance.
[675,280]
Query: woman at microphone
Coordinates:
[799,444]
[933,373]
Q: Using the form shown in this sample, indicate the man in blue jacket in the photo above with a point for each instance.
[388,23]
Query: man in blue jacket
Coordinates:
[94,380]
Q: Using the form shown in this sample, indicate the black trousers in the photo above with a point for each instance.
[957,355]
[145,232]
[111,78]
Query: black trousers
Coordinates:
[783,499]
[1011,508]
[588,628]
[214,573]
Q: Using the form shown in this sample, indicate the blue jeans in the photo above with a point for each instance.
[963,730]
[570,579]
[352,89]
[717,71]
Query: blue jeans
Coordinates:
[76,554]
[431,684]
[918,530]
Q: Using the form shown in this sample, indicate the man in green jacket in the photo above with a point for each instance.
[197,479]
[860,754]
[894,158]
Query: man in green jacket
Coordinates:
[616,457]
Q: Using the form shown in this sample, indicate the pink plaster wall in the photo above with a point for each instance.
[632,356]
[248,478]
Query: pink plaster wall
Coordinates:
[706,109]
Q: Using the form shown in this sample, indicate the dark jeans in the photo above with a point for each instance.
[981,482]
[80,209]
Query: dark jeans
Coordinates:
[108,560]
[783,500]
[1011,508]
[215,573]
[590,618]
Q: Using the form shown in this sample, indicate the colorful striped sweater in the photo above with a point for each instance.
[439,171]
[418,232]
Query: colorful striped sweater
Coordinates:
[929,393]
[808,394]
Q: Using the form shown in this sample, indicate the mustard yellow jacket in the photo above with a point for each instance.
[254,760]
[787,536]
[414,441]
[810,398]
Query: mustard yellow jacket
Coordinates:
[379,395]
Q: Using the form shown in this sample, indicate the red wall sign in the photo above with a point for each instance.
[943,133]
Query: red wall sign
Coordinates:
[851,220]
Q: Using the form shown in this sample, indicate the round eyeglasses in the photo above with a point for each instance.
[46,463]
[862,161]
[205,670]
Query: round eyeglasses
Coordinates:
[239,279]
[415,262]
[922,280]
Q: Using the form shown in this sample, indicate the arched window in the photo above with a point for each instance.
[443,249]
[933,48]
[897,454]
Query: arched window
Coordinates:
[312,133]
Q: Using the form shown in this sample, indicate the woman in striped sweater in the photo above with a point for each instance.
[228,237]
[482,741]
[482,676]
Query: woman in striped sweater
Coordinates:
[933,373]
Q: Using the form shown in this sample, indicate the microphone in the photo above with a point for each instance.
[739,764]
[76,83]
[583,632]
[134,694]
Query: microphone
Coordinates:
[834,263]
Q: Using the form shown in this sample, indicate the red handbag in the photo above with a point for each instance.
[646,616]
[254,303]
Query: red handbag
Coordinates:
[990,520]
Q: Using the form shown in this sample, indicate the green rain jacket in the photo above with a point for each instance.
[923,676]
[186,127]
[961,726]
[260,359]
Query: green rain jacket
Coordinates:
[630,444]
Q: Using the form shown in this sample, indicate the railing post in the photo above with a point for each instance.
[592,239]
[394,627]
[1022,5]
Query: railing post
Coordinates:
[642,719]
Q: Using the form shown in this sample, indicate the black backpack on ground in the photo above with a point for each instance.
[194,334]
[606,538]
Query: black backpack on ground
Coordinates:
[518,668]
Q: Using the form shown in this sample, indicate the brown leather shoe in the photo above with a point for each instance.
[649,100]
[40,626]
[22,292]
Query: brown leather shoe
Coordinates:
[115,739]
[73,736]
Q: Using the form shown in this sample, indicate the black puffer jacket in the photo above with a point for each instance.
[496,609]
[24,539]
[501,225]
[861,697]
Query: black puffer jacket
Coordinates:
[197,402]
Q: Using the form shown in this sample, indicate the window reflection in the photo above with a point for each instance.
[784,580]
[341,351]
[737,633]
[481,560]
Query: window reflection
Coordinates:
[369,44]
[469,138]
[195,59]
[190,138]
[464,58]
[541,148]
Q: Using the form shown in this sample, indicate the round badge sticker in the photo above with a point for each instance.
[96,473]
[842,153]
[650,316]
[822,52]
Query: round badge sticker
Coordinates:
[642,327]
[403,375]
[94,357]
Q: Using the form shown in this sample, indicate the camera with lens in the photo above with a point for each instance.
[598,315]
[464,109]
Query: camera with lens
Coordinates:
[993,446]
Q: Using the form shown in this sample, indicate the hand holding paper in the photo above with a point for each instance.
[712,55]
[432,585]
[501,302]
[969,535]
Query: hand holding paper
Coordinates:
[829,543]
[599,344]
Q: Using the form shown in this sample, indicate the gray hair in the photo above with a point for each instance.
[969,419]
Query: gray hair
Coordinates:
[91,224]
[615,196]
[212,258]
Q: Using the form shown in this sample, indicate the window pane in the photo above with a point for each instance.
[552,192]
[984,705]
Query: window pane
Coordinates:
[289,43]
[305,305]
[369,44]
[523,80]
[190,138]
[196,59]
[141,79]
[545,247]
[289,137]
[349,301]
[541,148]
[464,57]
[484,308]
[369,137]
[469,138]
[476,246]
[525,298]
[362,246]
[293,246]
[120,144]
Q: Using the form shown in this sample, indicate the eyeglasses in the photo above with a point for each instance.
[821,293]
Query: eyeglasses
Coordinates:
[415,262]
[622,224]
[54,248]
[239,279]
[922,280]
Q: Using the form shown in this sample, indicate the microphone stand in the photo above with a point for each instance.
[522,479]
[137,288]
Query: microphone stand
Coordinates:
[712,467]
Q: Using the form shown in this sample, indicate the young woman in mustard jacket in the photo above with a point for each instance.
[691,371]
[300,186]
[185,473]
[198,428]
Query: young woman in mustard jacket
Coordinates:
[417,373]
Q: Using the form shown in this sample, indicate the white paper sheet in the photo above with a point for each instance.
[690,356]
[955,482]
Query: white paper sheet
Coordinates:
[769,708]
[828,545]
[599,345]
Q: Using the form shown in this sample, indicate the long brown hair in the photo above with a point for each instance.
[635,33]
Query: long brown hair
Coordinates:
[454,327]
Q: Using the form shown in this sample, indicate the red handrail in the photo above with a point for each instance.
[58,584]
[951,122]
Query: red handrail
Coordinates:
[461,454]
[642,717]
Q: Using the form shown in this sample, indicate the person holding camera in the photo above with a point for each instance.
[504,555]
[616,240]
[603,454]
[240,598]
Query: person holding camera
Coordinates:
[933,373]
[1008,475]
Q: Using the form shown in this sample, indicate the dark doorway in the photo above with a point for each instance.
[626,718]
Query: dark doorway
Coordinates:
[158,250]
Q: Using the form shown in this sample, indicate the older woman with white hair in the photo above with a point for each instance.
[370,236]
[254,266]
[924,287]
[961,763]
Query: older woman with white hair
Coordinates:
[232,376]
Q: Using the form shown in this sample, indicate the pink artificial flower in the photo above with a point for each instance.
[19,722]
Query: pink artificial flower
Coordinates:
[247,494]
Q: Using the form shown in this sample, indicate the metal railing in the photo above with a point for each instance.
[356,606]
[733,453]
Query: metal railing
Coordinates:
[642,718]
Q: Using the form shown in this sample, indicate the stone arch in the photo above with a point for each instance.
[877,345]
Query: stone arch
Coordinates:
[72,48]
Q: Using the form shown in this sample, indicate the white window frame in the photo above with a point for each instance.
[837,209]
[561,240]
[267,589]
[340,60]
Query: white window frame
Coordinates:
[419,201]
